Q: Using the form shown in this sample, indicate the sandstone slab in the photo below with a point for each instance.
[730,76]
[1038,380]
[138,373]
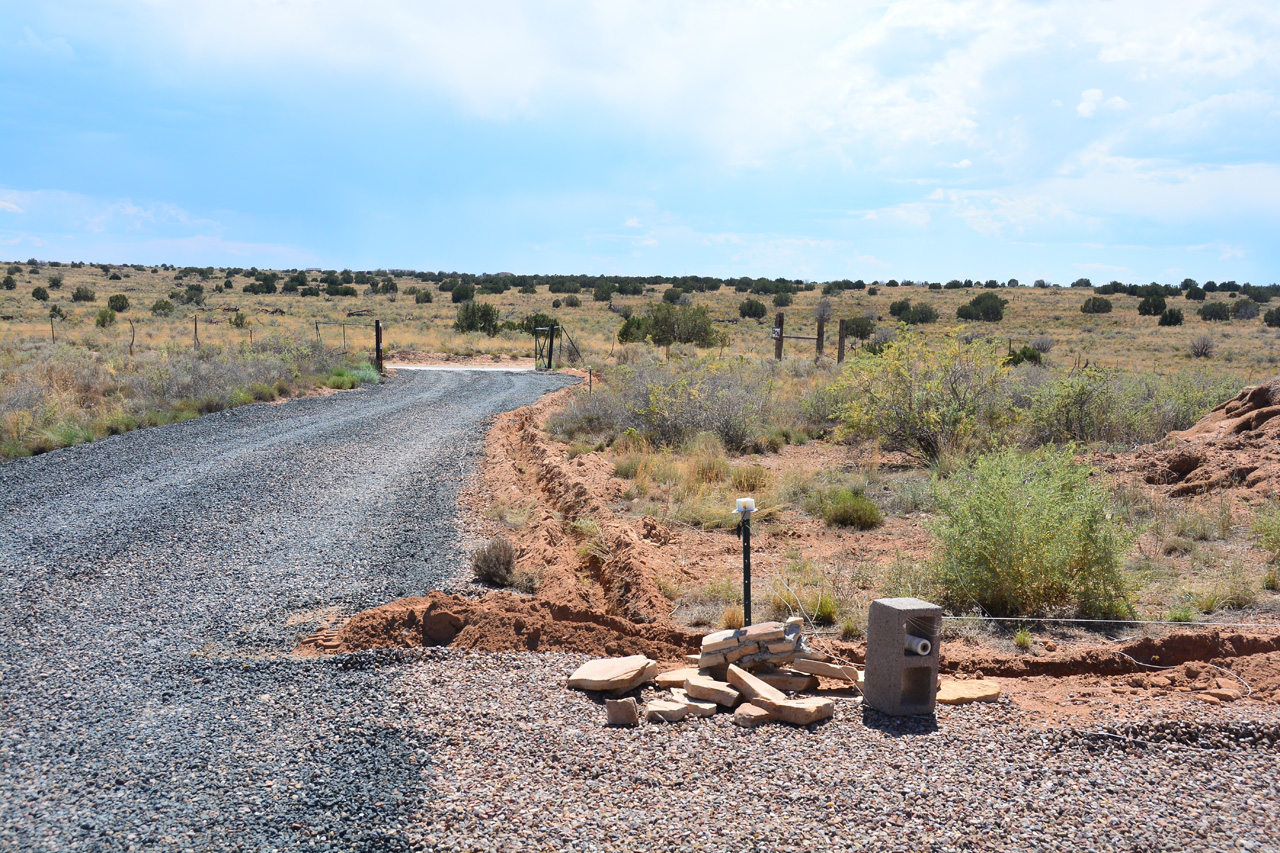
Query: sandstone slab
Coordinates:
[963,692]
[753,688]
[828,670]
[788,682]
[709,690]
[800,712]
[674,677]
[615,675]
[662,711]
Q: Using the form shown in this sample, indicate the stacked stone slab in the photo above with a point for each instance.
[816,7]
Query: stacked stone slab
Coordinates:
[767,645]
[899,681]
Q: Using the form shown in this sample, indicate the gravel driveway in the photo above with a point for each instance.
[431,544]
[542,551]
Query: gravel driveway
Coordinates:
[152,583]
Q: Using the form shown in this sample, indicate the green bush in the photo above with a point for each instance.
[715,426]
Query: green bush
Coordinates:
[572,301]
[10,283]
[477,317]
[422,297]
[922,397]
[83,294]
[162,308]
[55,281]
[1214,312]
[1096,305]
[40,294]
[845,507]
[1029,534]
[1272,318]
[462,293]
[1151,306]
[753,309]
[118,302]
[781,300]
[987,307]
[106,317]
[1171,317]
[860,327]
[1028,354]
[1245,309]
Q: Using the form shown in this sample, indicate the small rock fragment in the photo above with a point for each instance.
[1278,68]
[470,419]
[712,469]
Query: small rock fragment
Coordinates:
[749,716]
[621,712]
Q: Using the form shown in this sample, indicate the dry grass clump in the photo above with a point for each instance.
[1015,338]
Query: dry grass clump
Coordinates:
[494,563]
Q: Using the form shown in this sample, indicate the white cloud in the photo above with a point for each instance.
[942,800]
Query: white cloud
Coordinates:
[9,207]
[632,222]
[963,164]
[1089,100]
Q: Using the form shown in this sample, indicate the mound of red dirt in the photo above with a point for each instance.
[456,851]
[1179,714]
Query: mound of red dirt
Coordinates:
[1236,446]
[502,622]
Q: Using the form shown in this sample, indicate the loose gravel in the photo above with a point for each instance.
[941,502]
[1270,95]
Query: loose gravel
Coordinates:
[520,763]
[152,585]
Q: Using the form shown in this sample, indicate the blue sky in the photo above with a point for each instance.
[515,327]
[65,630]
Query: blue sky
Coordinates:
[923,140]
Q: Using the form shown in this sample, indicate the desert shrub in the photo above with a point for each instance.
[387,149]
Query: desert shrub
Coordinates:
[162,308]
[1171,317]
[106,317]
[1214,312]
[706,458]
[1096,305]
[477,317]
[752,309]
[1272,318]
[1029,534]
[55,281]
[462,293]
[667,403]
[422,297]
[1025,355]
[118,302]
[1043,344]
[681,324]
[309,291]
[844,507]
[987,307]
[1096,404]
[921,397]
[1245,309]
[781,300]
[572,301]
[494,562]
[40,294]
[239,320]
[10,283]
[83,294]
[1266,528]
[1202,346]
[860,327]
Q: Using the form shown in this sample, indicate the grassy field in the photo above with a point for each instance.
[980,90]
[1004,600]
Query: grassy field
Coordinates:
[1120,339]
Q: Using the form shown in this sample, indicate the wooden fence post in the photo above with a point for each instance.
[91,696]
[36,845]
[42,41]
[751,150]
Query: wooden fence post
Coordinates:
[822,334]
[777,333]
[377,342]
[840,343]
[197,330]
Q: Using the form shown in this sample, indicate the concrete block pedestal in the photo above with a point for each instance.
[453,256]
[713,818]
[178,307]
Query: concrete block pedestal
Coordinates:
[899,681]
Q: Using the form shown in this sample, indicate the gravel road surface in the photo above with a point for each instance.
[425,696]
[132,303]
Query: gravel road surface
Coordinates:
[153,583]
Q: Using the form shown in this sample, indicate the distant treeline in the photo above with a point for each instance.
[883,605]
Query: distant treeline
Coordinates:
[602,287]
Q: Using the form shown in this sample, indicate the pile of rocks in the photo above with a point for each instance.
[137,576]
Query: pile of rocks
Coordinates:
[718,679]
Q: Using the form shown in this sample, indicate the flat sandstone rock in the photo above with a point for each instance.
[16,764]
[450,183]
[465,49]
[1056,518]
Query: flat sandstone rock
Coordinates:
[709,690]
[963,692]
[615,675]
[752,687]
[800,712]
[674,677]
[662,711]
[788,682]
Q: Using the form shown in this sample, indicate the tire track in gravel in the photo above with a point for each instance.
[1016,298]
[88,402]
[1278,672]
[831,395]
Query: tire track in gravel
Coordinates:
[145,588]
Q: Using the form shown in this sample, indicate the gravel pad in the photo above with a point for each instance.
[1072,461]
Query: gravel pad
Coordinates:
[153,582]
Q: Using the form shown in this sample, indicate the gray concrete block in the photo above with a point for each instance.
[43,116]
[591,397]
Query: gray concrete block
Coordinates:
[900,682]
